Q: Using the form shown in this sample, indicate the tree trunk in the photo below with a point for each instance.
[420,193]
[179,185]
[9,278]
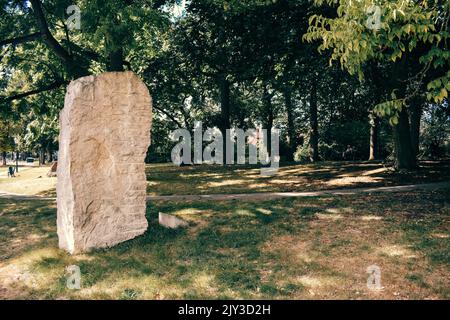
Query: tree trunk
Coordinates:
[374,128]
[224,88]
[115,60]
[17,161]
[267,98]
[49,154]
[314,132]
[224,122]
[404,153]
[4,157]
[41,157]
[415,109]
[290,124]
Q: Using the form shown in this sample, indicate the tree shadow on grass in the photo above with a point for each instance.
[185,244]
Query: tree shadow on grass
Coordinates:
[226,249]
[24,224]
[212,179]
[231,249]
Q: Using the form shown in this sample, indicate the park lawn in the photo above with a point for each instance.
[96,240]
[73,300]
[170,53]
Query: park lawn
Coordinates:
[30,180]
[167,179]
[303,248]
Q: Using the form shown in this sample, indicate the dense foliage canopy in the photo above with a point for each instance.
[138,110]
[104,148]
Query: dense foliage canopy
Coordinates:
[342,79]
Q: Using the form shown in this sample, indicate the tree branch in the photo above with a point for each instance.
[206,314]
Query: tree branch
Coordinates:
[74,69]
[21,39]
[22,95]
[46,34]
[171,117]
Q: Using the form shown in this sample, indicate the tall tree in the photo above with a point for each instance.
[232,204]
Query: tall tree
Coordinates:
[408,32]
[105,41]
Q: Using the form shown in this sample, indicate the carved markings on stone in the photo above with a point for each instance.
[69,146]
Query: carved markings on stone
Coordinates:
[104,137]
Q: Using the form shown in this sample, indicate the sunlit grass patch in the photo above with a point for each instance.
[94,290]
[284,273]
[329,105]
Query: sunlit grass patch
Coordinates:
[288,248]
[167,179]
[28,181]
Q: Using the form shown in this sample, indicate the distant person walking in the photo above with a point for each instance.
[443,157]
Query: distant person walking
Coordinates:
[11,172]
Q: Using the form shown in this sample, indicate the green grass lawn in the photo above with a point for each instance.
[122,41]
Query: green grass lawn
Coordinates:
[30,180]
[309,248]
[167,179]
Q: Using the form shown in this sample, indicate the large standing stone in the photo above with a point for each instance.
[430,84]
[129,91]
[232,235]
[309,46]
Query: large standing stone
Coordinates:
[105,134]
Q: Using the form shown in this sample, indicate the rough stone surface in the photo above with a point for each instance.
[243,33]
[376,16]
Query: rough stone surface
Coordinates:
[101,189]
[170,221]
